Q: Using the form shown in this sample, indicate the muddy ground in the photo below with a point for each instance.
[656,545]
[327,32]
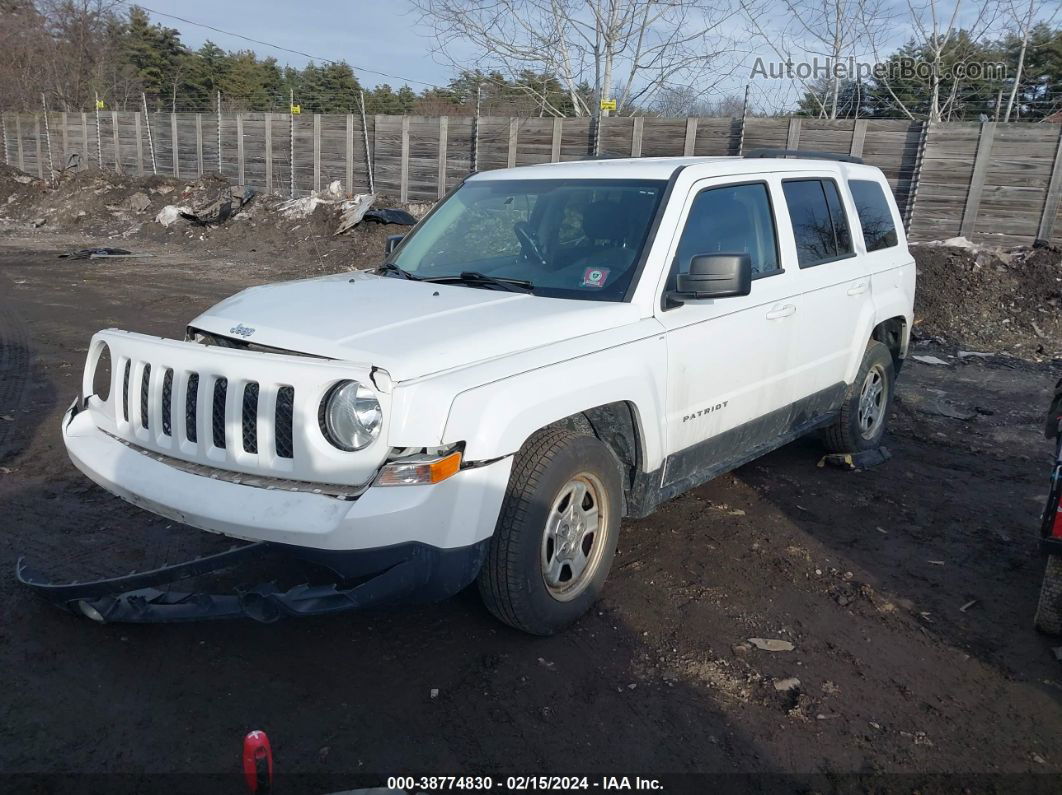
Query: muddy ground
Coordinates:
[907,591]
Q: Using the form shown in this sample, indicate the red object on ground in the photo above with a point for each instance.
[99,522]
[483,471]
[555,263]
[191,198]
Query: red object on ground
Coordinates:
[1056,529]
[258,762]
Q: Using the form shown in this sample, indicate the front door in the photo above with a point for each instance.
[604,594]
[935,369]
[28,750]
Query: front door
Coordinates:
[729,375]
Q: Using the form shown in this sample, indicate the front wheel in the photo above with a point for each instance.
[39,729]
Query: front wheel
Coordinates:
[556,536]
[860,425]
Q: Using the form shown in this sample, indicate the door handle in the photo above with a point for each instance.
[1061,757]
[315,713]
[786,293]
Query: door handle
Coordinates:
[857,289]
[781,311]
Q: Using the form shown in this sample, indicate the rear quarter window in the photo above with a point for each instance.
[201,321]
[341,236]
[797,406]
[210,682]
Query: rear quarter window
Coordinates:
[819,224]
[875,215]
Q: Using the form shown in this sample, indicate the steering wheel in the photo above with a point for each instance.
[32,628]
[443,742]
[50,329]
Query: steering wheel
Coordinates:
[528,243]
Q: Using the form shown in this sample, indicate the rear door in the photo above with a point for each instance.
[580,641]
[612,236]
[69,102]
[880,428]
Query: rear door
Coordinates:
[728,358]
[834,283]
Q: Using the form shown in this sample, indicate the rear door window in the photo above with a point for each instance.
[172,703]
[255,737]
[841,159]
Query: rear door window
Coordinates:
[875,216]
[819,223]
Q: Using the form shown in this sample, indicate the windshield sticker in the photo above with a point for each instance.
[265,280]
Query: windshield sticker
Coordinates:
[595,277]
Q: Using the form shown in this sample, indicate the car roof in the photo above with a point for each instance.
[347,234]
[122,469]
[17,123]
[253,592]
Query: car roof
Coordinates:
[662,168]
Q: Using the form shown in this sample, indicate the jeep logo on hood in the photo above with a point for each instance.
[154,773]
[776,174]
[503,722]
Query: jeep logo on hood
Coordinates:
[241,330]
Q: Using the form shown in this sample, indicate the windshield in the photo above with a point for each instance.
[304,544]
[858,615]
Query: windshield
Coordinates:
[568,238]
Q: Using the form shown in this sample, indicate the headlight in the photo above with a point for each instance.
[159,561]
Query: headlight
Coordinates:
[351,416]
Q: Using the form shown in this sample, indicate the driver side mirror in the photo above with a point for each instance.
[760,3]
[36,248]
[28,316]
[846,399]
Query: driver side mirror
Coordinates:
[714,276]
[392,243]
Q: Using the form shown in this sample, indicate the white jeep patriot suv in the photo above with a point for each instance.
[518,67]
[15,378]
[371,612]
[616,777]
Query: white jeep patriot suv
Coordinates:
[551,349]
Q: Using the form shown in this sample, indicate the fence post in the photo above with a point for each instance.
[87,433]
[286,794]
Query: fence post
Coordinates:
[84,160]
[558,135]
[219,133]
[99,136]
[859,135]
[1054,193]
[291,147]
[66,138]
[139,145]
[977,179]
[443,128]
[37,143]
[7,155]
[151,141]
[792,139]
[48,139]
[199,143]
[239,148]
[916,176]
[691,137]
[268,152]
[403,186]
[317,151]
[349,141]
[117,146]
[365,135]
[514,132]
[636,136]
[18,141]
[173,140]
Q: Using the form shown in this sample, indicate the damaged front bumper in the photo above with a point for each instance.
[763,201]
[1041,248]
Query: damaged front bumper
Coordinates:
[422,542]
[361,579]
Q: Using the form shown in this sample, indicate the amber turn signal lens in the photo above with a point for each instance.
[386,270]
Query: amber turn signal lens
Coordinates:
[419,473]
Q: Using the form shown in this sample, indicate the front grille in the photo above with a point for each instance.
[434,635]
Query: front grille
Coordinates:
[167,403]
[250,418]
[221,388]
[285,422]
[144,385]
[190,408]
[125,391]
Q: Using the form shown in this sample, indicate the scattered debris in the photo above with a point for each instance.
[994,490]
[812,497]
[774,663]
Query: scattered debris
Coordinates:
[785,685]
[546,663]
[101,253]
[936,360]
[390,216]
[978,354]
[1057,650]
[39,222]
[1039,759]
[741,649]
[169,214]
[351,212]
[222,208]
[854,462]
[771,644]
[968,605]
[138,202]
[936,562]
[434,692]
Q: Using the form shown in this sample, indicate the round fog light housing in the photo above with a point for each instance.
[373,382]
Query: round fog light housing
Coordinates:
[351,416]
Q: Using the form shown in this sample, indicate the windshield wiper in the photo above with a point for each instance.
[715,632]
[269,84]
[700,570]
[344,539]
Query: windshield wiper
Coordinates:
[390,267]
[474,277]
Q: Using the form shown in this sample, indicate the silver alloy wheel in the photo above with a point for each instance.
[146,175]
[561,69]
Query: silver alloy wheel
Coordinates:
[573,543]
[872,402]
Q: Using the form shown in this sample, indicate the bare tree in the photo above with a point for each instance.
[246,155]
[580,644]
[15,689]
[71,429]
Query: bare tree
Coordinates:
[825,36]
[936,24]
[627,49]
[1024,16]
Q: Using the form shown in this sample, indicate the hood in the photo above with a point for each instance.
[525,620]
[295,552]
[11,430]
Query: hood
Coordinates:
[411,329]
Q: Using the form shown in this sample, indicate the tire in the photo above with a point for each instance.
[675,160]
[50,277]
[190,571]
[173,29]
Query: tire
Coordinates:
[523,579]
[849,432]
[1049,610]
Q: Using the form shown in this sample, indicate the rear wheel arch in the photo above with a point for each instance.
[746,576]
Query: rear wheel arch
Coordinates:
[894,334]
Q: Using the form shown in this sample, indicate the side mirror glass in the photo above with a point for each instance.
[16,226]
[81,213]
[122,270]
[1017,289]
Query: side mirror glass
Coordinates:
[715,276]
[392,243]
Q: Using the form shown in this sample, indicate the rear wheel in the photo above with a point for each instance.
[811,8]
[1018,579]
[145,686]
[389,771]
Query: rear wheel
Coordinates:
[860,425]
[556,535]
[1049,610]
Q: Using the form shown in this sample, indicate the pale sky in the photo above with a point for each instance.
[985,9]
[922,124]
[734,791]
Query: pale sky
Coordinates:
[376,35]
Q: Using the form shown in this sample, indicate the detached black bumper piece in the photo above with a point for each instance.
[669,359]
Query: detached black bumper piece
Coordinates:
[362,578]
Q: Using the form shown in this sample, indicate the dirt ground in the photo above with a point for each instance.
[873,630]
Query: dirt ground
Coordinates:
[907,592]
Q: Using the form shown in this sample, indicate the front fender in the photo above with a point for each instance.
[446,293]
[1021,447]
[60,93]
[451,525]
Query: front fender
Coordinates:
[496,419]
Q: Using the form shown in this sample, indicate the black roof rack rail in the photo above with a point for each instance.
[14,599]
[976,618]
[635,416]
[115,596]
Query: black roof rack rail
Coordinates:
[808,153]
